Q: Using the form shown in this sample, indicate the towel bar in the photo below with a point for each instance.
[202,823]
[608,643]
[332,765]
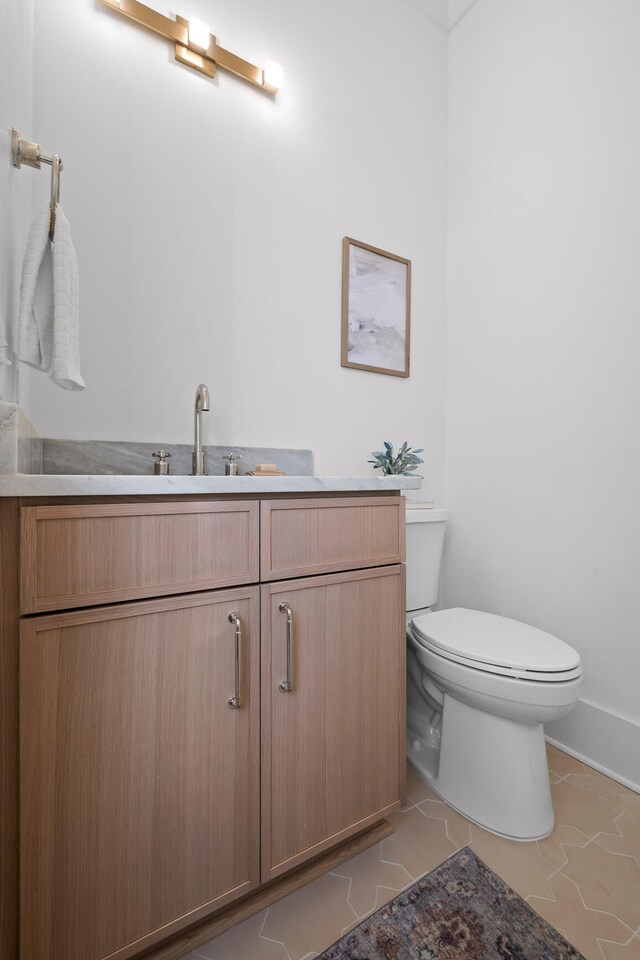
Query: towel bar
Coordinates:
[25,152]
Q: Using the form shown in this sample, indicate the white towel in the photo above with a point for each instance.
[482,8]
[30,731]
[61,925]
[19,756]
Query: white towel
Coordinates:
[48,323]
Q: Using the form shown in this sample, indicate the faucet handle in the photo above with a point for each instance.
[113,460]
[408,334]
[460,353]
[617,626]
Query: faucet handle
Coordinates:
[160,464]
[231,466]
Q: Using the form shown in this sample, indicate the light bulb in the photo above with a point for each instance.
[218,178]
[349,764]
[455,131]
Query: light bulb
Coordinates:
[199,34]
[273,75]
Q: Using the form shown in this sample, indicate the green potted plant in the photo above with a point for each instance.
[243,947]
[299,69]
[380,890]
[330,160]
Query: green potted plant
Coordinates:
[404,463]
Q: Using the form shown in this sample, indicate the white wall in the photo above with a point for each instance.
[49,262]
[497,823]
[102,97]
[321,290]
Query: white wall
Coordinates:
[543,452]
[16,99]
[208,220]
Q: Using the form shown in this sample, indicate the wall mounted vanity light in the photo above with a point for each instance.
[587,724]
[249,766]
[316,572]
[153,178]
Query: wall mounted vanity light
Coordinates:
[196,47]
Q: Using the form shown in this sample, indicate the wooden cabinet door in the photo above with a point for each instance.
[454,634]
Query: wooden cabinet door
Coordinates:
[139,783]
[333,747]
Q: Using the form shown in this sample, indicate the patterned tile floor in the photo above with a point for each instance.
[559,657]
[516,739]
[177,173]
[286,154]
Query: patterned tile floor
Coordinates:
[584,879]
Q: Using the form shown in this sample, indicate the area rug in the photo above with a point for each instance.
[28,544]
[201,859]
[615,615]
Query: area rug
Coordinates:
[460,911]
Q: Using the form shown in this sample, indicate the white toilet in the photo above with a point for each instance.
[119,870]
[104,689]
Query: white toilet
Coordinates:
[479,688]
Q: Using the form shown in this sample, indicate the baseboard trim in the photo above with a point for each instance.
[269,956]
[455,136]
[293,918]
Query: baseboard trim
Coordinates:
[609,743]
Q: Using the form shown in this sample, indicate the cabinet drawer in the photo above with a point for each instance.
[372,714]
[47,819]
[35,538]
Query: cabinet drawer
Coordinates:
[302,537]
[82,555]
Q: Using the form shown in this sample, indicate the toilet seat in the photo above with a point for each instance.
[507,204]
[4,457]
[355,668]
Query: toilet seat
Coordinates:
[492,644]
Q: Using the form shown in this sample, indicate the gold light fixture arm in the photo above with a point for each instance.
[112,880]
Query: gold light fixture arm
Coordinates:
[191,58]
[147,17]
[186,52]
[241,68]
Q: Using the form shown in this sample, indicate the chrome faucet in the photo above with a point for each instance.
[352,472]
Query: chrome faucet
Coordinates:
[202,404]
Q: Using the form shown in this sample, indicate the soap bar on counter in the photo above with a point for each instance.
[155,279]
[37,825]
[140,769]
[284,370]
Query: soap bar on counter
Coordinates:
[265,470]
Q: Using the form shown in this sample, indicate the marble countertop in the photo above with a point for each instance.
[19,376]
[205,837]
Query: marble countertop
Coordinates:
[94,485]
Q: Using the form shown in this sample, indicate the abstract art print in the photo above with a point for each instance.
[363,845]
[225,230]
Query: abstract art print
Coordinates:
[376,298]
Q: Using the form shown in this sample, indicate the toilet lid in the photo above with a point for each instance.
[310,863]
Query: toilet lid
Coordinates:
[485,640]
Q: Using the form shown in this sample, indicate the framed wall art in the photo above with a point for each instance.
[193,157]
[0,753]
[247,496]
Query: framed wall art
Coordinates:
[376,308]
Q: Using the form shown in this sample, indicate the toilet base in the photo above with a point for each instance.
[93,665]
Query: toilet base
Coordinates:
[488,768]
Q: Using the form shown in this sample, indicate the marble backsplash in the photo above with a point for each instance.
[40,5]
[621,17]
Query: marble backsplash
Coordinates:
[20,442]
[110,457]
[24,451]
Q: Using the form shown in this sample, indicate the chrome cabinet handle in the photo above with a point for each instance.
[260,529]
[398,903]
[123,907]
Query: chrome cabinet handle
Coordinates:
[234,702]
[287,685]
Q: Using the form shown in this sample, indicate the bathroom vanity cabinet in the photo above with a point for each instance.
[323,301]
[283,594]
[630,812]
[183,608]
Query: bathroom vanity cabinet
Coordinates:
[211,708]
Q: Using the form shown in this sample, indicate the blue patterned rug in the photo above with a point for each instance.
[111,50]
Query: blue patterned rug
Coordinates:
[460,911]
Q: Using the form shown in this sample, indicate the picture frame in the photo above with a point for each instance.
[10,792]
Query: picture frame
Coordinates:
[376,309]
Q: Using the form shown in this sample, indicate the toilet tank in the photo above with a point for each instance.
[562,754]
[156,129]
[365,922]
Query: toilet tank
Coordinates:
[425,537]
